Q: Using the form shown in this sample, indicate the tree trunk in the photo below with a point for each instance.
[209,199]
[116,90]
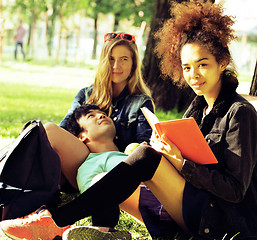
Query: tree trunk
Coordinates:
[50,33]
[59,44]
[56,6]
[116,21]
[95,39]
[253,88]
[1,31]
[166,95]
[30,43]
[67,37]
[77,40]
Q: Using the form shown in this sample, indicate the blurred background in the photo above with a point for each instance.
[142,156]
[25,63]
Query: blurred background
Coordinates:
[61,32]
[72,30]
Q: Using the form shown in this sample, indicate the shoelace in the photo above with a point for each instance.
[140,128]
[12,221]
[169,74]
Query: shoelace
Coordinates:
[36,213]
[31,218]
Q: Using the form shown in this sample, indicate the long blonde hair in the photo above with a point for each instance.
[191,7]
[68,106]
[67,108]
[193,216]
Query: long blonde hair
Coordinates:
[102,89]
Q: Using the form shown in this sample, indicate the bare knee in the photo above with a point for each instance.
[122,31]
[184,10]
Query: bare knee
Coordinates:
[52,132]
[50,127]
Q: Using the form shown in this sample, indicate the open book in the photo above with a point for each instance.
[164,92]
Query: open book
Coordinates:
[186,135]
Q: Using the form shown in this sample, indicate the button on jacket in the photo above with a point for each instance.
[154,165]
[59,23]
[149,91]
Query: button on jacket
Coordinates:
[131,125]
[231,131]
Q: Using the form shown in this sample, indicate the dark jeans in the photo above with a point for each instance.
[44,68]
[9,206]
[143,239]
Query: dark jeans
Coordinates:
[16,49]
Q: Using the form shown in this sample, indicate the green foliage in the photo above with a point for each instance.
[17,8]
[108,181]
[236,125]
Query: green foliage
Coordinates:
[126,223]
[170,115]
[147,8]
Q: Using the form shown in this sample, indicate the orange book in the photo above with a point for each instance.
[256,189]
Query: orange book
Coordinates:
[186,135]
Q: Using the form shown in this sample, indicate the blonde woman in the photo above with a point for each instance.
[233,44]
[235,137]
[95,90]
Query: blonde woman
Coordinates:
[119,90]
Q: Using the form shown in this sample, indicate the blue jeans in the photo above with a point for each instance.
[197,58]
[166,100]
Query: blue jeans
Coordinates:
[16,49]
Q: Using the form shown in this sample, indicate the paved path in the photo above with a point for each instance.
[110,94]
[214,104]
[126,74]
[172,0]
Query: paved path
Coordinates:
[59,76]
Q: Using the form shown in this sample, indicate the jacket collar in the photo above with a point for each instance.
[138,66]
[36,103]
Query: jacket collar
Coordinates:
[221,105]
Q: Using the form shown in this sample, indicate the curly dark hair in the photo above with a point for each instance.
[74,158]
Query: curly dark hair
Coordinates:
[194,22]
[72,124]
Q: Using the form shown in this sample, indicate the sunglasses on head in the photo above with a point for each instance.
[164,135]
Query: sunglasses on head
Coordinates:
[125,36]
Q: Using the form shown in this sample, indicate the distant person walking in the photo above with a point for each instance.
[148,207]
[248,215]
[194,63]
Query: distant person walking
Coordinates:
[19,36]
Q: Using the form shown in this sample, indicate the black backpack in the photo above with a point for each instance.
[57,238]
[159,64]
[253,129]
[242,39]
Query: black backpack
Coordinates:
[30,172]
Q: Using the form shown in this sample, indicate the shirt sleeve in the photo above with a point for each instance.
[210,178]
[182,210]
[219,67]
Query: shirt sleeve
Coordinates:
[77,102]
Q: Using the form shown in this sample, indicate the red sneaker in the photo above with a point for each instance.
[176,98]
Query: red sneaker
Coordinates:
[32,227]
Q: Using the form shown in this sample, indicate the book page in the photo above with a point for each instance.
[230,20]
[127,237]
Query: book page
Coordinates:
[150,117]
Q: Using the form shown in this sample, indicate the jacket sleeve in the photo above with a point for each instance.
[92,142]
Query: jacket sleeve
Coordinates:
[144,131]
[77,102]
[231,177]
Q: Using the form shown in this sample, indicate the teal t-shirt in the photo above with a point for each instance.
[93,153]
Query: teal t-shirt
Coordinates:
[97,163]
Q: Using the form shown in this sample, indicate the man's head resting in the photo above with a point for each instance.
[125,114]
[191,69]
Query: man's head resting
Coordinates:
[72,124]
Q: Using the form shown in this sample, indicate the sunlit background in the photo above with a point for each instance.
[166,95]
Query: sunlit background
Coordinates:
[74,34]
[245,49]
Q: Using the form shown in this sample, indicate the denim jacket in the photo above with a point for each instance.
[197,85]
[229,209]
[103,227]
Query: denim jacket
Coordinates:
[131,125]
[231,131]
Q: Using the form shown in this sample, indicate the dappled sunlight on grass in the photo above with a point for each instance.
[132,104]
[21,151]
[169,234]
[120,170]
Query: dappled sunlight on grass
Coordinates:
[21,103]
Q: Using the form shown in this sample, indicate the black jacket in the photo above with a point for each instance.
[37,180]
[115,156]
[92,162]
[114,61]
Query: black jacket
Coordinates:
[231,131]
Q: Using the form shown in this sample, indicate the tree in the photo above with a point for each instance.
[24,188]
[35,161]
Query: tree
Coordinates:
[1,30]
[130,9]
[68,12]
[253,88]
[94,8]
[56,6]
[121,9]
[166,95]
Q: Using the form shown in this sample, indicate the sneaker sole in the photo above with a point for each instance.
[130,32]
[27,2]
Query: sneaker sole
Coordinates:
[3,236]
[86,233]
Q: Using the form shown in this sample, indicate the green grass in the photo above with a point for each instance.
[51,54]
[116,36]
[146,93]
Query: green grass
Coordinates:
[21,103]
[169,115]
